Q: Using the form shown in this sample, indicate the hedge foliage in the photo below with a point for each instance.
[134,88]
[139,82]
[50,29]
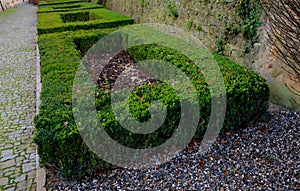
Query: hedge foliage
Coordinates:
[247,93]
[57,2]
[97,19]
[68,7]
[57,137]
[247,97]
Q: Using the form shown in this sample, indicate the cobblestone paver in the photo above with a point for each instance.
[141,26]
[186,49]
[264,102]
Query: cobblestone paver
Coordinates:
[18,99]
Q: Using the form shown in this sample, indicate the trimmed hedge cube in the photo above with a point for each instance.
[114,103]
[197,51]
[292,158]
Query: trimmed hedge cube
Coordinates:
[96,19]
[57,2]
[68,7]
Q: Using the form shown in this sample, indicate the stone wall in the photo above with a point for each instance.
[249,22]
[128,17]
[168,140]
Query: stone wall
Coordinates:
[206,20]
[6,4]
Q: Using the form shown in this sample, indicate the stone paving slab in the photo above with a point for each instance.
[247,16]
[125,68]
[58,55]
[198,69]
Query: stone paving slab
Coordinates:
[18,99]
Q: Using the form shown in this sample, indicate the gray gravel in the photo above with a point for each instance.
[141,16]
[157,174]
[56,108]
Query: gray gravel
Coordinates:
[262,156]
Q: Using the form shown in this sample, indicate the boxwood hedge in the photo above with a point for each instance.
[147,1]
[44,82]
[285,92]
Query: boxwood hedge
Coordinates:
[247,97]
[97,19]
[247,93]
[58,139]
[57,2]
[68,7]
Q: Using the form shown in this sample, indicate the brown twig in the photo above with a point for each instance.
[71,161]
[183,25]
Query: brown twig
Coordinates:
[283,18]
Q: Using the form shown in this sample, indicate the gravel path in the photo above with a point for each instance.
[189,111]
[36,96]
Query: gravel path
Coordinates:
[18,99]
[262,156]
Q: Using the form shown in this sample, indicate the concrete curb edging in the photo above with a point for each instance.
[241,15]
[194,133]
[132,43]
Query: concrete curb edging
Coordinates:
[40,172]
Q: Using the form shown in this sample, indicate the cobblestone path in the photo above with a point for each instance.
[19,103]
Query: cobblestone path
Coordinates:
[18,99]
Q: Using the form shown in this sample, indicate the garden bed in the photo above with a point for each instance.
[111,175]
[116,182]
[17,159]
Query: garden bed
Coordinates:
[58,139]
[65,38]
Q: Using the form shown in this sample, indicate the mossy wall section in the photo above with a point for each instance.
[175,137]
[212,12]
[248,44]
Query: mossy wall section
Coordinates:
[205,19]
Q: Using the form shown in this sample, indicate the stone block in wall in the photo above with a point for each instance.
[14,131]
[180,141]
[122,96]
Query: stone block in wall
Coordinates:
[1,6]
[205,29]
[6,4]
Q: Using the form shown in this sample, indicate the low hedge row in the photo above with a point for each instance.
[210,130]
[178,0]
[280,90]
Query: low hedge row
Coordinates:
[56,134]
[57,2]
[68,7]
[98,19]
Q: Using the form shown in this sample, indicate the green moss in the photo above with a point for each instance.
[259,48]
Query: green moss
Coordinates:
[172,9]
[143,3]
[219,15]
[220,44]
[199,27]
[189,25]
